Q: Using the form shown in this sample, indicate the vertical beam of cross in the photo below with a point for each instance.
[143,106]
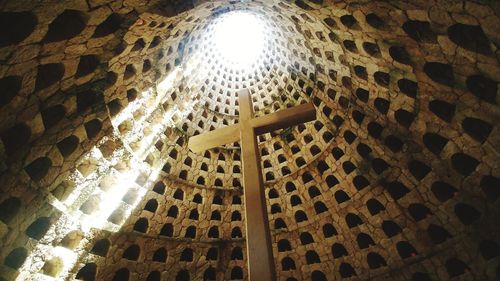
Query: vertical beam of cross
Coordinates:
[258,237]
[259,247]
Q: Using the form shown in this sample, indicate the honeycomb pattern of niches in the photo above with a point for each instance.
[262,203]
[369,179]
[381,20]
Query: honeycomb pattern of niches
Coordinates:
[176,209]
[22,232]
[168,257]
[44,56]
[47,58]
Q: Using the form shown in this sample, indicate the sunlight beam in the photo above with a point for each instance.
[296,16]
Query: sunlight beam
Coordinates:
[239,37]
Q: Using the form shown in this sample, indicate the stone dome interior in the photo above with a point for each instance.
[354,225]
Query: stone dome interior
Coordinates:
[397,179]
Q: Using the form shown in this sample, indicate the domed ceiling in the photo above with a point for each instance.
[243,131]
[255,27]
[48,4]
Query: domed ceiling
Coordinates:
[396,179]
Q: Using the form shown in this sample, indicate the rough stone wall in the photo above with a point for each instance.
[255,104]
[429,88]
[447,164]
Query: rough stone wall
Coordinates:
[397,179]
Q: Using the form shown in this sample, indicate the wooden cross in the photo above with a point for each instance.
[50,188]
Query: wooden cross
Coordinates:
[258,237]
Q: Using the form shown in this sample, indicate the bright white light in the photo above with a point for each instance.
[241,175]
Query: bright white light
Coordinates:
[239,37]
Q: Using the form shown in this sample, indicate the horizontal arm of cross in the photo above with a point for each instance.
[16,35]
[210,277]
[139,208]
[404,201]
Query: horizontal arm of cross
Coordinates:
[264,124]
[284,118]
[215,138]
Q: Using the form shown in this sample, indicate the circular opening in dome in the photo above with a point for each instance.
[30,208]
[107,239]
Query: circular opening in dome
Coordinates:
[239,38]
